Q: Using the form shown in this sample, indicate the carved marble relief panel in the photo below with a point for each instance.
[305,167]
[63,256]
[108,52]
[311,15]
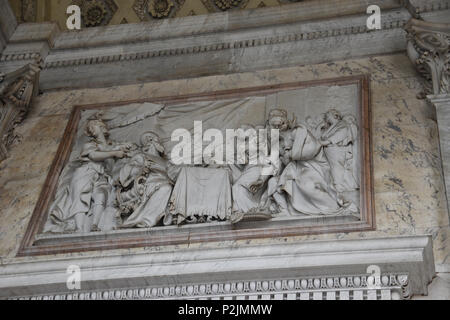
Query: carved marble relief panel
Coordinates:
[259,162]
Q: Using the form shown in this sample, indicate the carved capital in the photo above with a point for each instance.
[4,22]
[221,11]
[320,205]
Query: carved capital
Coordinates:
[16,92]
[428,49]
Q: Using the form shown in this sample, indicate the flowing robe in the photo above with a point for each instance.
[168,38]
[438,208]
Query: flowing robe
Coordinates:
[157,191]
[244,200]
[75,195]
[307,179]
[342,155]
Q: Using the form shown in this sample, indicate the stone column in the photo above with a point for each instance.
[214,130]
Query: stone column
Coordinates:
[428,49]
[442,104]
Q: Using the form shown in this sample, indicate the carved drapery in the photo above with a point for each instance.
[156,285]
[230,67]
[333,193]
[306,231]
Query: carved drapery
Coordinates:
[428,49]
[16,92]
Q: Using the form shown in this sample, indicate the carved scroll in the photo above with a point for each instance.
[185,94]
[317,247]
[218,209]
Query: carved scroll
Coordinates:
[428,49]
[17,89]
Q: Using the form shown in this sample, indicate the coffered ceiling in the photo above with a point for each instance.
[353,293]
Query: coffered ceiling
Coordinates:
[109,12]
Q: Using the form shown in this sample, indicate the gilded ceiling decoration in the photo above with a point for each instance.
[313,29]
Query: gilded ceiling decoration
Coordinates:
[109,12]
[225,5]
[96,12]
[147,10]
[160,8]
[28,10]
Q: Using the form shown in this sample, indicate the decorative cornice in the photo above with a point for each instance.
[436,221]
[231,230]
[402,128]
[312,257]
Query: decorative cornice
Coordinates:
[250,42]
[344,287]
[20,56]
[236,263]
[420,6]
[280,36]
[429,49]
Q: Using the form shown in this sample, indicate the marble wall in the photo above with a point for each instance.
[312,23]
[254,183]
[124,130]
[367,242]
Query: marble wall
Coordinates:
[409,190]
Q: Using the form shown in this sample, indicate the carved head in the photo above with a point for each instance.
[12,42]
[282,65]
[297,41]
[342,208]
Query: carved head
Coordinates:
[96,128]
[332,116]
[150,140]
[278,119]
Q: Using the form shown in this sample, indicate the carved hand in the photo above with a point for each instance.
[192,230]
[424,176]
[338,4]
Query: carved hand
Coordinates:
[128,147]
[120,154]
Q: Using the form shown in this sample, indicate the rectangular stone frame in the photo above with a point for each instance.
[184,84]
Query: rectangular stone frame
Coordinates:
[31,246]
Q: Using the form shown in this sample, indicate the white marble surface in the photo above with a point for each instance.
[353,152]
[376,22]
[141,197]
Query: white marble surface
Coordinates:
[442,105]
[439,289]
[405,255]
[409,197]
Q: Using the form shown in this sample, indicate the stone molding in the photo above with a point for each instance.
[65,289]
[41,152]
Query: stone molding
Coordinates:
[350,287]
[402,256]
[30,42]
[143,33]
[232,44]
[441,101]
[302,12]
[221,53]
[208,45]
[418,7]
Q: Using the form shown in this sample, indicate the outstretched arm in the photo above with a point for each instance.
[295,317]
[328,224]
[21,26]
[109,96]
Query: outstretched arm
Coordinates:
[104,155]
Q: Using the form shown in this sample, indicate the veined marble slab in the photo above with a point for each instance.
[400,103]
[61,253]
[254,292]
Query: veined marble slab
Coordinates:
[411,256]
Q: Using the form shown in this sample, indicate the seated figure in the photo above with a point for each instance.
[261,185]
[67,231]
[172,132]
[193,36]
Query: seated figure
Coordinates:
[145,187]
[306,184]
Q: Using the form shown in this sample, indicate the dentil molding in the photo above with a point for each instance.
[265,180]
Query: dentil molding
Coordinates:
[321,269]
[228,42]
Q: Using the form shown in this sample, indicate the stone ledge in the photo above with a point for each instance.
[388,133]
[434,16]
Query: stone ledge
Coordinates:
[218,22]
[188,45]
[31,32]
[207,45]
[410,256]
[231,42]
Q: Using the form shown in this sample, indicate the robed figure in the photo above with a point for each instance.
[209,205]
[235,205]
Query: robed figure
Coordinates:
[307,179]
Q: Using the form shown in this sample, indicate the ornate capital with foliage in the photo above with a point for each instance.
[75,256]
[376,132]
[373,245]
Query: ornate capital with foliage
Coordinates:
[16,92]
[428,49]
